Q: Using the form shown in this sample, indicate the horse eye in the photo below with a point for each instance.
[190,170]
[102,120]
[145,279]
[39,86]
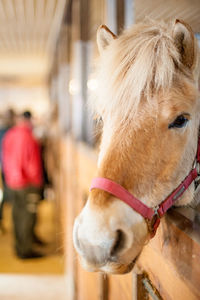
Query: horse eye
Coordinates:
[180,122]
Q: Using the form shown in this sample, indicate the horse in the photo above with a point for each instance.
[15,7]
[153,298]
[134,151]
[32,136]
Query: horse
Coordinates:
[148,81]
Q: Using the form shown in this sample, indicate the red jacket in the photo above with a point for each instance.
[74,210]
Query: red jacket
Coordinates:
[21,157]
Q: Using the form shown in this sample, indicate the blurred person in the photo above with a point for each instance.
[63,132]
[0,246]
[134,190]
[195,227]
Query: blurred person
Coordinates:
[22,167]
[7,121]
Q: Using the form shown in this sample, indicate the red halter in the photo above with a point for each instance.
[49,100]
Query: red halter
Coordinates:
[152,215]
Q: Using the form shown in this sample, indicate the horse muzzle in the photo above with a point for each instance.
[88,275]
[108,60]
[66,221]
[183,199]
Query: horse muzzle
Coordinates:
[106,254]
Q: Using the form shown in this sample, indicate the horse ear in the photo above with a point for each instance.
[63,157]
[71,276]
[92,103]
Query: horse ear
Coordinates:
[104,37]
[184,41]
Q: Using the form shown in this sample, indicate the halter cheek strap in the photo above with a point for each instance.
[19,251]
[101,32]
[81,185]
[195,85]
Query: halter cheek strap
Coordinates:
[151,215]
[118,191]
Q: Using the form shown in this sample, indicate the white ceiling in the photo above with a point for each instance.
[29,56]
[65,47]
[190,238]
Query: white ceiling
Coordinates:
[29,30]
[28,34]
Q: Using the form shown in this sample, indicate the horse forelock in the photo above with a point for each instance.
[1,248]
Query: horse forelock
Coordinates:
[134,68]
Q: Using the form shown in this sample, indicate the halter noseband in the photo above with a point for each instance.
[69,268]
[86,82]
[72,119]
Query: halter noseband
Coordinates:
[151,215]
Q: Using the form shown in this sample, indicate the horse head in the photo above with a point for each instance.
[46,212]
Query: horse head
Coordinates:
[148,100]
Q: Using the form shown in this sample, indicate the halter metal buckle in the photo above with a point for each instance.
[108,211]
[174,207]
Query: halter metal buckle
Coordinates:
[196,165]
[156,210]
[198,168]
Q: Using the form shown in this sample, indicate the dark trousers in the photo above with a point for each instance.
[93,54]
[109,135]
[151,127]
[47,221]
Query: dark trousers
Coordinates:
[1,209]
[24,213]
[3,198]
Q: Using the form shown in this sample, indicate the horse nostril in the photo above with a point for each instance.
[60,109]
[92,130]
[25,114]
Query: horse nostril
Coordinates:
[119,242]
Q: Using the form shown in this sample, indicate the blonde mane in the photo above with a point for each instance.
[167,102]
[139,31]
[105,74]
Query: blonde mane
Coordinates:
[135,66]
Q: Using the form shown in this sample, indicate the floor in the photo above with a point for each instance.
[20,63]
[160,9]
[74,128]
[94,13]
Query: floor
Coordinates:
[33,279]
[29,287]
